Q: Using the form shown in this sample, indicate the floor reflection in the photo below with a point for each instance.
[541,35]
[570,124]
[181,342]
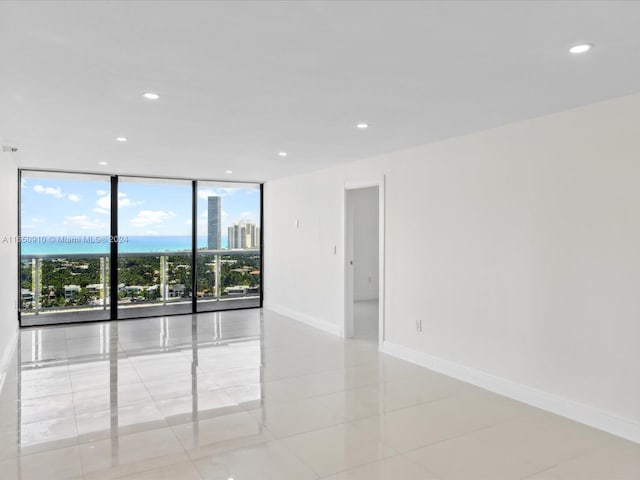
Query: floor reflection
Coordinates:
[93,385]
[254,395]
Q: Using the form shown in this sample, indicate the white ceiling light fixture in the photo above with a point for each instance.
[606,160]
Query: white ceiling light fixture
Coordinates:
[228,171]
[151,96]
[121,139]
[102,163]
[282,154]
[362,126]
[581,48]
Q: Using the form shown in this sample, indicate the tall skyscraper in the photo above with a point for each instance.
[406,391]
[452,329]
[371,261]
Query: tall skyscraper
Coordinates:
[214,215]
[244,234]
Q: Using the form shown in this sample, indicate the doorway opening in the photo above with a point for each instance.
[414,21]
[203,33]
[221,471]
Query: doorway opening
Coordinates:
[364,243]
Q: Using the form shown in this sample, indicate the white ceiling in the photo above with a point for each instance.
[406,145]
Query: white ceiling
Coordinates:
[240,81]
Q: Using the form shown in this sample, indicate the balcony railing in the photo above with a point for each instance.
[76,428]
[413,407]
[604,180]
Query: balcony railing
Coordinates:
[161,288]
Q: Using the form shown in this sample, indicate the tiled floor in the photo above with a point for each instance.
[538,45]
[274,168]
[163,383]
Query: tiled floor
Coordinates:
[365,320]
[251,395]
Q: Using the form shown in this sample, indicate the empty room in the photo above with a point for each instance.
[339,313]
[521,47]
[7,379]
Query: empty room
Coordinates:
[325,239]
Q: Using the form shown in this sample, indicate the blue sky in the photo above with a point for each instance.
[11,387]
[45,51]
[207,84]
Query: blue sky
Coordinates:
[58,206]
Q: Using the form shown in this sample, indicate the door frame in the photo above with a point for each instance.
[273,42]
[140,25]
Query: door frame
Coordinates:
[347,330]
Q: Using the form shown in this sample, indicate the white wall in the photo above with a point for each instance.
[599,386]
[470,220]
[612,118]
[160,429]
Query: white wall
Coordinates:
[8,258]
[517,247]
[364,202]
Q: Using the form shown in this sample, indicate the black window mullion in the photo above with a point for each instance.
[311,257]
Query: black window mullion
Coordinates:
[194,246]
[261,246]
[113,253]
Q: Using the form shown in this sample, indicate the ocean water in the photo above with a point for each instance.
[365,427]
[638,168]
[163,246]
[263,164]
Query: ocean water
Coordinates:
[93,244]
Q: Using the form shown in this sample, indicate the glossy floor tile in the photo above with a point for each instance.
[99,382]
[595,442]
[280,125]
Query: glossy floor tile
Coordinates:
[252,395]
[365,320]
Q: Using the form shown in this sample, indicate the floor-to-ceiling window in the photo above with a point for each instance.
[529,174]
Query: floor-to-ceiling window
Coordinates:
[154,252]
[72,232]
[229,246]
[64,247]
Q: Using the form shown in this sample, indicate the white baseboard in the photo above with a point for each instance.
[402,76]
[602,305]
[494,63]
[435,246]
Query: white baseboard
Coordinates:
[318,323]
[5,359]
[594,417]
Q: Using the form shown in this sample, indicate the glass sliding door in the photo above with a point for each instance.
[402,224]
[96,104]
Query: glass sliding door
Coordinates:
[229,255]
[154,252]
[64,247]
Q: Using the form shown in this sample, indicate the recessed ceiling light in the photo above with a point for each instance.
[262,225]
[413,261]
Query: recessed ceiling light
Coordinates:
[151,96]
[102,163]
[121,139]
[582,48]
[228,171]
[282,154]
[362,126]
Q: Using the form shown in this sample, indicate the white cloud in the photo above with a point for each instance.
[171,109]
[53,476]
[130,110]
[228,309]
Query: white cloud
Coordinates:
[224,214]
[102,211]
[248,215]
[150,217]
[54,192]
[75,218]
[215,192]
[84,222]
[39,220]
[104,202]
[124,201]
[101,193]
